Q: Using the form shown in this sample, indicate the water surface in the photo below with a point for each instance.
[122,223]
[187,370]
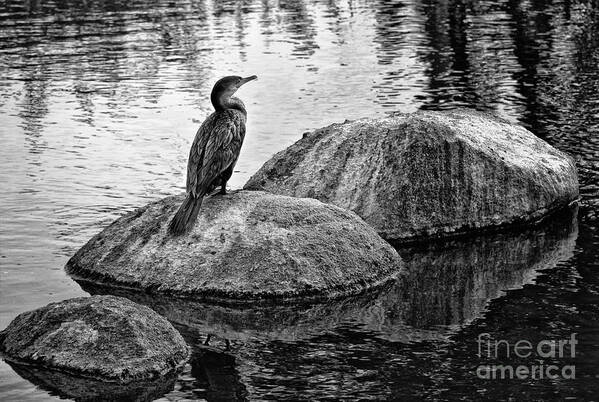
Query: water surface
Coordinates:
[99,103]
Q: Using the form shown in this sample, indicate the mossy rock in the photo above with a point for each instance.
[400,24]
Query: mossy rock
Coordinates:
[245,247]
[428,174]
[104,338]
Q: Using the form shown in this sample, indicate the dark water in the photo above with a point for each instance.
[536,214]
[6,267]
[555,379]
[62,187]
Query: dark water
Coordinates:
[99,102]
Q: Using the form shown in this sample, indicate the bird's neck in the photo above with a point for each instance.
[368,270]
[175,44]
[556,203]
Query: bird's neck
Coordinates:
[222,103]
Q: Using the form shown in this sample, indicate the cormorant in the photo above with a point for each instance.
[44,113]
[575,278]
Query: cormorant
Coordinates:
[214,151]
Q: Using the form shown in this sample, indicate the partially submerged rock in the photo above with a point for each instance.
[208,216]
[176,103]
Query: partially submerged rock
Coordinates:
[104,338]
[244,246]
[444,285]
[426,174]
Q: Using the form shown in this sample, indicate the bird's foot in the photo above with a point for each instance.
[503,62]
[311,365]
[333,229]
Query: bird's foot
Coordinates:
[223,190]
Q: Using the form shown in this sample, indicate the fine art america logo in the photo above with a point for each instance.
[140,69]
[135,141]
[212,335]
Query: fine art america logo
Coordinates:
[493,349]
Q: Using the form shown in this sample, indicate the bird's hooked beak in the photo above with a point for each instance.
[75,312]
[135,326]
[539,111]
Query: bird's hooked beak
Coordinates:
[246,80]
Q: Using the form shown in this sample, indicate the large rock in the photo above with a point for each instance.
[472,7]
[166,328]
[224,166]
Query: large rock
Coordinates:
[105,338]
[244,246]
[426,174]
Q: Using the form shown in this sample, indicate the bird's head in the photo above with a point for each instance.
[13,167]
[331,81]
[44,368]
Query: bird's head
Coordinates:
[226,87]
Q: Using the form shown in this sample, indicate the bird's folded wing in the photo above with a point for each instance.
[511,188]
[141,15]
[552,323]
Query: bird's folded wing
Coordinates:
[213,154]
[196,156]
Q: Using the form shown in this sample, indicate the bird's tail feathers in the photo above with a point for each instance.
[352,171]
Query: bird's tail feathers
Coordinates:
[186,215]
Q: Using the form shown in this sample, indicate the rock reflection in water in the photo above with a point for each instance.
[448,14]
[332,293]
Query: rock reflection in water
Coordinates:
[450,283]
[84,389]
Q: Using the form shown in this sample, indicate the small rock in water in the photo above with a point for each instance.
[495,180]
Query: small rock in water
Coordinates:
[104,338]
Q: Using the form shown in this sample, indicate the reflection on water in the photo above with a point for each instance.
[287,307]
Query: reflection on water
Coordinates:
[81,389]
[99,102]
[451,283]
